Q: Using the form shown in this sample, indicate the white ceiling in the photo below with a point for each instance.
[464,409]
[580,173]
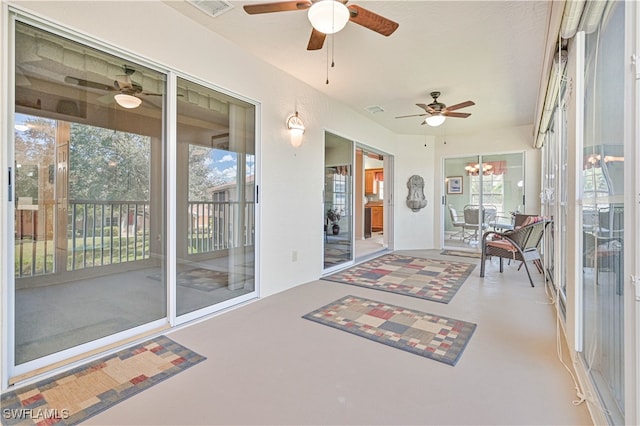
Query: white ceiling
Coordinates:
[490,52]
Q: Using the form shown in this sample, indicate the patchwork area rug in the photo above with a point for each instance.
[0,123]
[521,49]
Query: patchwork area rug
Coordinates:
[462,253]
[72,397]
[431,279]
[200,279]
[440,338]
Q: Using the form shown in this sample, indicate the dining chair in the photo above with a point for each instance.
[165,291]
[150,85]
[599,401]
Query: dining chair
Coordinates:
[456,222]
[472,221]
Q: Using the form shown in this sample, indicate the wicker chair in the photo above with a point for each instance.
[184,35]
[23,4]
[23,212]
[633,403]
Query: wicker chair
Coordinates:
[521,244]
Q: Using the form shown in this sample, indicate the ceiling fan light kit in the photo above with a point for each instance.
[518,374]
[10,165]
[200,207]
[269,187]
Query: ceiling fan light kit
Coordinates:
[437,112]
[328,16]
[435,120]
[127,101]
[123,84]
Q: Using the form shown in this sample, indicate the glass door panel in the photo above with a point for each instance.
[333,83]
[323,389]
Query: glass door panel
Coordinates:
[89,206]
[503,186]
[457,190]
[338,201]
[603,212]
[215,198]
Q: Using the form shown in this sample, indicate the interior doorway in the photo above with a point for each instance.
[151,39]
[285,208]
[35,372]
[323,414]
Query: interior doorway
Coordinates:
[357,202]
[373,202]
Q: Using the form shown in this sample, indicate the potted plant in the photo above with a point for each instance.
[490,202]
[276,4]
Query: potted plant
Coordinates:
[333,217]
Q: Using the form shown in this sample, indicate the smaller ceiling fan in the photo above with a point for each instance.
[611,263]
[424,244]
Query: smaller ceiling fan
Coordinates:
[328,17]
[129,90]
[437,112]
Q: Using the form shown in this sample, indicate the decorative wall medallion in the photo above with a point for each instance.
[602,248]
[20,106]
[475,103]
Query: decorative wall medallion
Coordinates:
[416,199]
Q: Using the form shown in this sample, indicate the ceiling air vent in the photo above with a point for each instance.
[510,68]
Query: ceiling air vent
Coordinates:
[374,109]
[212,7]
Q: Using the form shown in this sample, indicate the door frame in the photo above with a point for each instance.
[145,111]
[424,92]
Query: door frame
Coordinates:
[444,203]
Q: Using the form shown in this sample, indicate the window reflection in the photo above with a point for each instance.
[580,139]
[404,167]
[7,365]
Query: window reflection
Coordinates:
[216,187]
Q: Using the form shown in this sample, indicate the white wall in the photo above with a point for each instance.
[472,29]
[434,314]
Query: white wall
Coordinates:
[414,230]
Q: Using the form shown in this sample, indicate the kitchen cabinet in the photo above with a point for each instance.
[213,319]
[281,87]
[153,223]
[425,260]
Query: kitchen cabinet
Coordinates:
[368,182]
[371,179]
[377,218]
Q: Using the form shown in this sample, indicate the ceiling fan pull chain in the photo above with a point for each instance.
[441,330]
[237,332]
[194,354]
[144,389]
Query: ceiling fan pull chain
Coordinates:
[327,82]
[333,50]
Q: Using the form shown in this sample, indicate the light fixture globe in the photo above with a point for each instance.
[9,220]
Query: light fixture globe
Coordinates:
[127,101]
[435,120]
[328,16]
[296,130]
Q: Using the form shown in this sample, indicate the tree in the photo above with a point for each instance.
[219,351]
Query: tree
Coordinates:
[108,165]
[35,155]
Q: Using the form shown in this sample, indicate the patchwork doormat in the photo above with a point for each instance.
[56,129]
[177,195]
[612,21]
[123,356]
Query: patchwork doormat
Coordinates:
[432,336]
[462,253]
[431,279]
[201,279]
[72,397]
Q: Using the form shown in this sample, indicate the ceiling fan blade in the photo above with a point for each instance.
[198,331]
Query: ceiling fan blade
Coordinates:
[412,115]
[456,114]
[373,21]
[460,105]
[316,40]
[87,83]
[281,6]
[427,108]
[105,99]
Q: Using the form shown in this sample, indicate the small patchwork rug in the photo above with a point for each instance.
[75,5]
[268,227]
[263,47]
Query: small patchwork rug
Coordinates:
[431,279]
[200,279]
[462,253]
[72,397]
[432,336]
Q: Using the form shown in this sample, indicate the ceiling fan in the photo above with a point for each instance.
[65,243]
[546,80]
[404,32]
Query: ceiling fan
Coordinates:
[328,17]
[128,90]
[437,112]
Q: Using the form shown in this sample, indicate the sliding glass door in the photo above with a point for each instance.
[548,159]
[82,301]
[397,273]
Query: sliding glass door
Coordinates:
[101,251]
[481,193]
[602,207]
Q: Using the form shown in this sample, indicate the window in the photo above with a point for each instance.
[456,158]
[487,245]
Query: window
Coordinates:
[492,190]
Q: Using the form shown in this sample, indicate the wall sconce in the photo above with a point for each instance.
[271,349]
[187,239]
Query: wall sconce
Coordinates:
[296,129]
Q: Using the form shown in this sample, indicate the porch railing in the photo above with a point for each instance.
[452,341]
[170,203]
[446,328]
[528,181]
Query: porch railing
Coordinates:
[212,224]
[106,233]
[103,233]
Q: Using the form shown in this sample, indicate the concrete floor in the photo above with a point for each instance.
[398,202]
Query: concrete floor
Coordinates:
[267,365]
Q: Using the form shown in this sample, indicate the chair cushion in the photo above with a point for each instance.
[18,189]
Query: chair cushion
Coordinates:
[503,244]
